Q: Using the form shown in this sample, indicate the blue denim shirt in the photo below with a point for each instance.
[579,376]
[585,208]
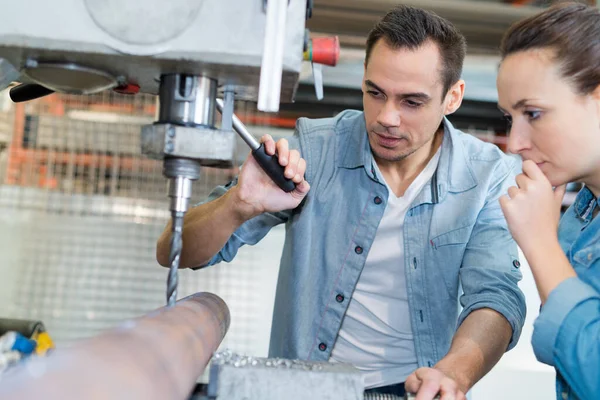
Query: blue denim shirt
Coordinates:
[454,233]
[566,334]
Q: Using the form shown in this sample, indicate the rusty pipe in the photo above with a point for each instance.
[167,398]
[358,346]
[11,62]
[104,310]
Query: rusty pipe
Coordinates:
[158,356]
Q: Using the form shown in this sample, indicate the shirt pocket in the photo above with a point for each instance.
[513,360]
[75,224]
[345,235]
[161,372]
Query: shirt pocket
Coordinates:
[587,257]
[586,262]
[448,252]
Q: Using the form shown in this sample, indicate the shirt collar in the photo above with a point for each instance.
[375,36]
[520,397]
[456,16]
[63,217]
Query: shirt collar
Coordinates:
[584,204]
[454,169]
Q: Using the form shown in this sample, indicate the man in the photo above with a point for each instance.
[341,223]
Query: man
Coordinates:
[393,207]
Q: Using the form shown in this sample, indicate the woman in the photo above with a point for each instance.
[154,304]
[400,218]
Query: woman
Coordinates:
[549,90]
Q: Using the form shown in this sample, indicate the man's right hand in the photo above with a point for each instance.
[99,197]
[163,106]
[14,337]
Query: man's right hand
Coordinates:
[256,193]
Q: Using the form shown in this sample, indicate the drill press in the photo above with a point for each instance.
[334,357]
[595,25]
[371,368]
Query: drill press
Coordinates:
[180,52]
[186,138]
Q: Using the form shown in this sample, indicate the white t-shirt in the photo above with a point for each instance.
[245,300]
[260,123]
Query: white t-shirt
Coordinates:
[376,335]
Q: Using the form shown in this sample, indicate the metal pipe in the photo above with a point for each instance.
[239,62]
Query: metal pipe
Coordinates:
[269,87]
[227,107]
[158,356]
[240,128]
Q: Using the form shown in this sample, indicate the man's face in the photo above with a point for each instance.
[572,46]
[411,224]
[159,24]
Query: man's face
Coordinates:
[403,100]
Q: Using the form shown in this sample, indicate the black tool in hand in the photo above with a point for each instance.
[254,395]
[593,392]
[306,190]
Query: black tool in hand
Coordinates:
[270,164]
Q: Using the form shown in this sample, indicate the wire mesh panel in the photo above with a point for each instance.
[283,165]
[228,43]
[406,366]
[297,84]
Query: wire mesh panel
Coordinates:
[81,210]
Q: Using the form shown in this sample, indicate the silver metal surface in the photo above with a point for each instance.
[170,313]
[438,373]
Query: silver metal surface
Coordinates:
[114,18]
[222,39]
[227,109]
[69,78]
[234,377]
[272,60]
[240,128]
[211,147]
[180,191]
[188,100]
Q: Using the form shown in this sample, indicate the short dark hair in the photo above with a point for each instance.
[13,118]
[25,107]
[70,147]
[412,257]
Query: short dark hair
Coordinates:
[410,27]
[572,30]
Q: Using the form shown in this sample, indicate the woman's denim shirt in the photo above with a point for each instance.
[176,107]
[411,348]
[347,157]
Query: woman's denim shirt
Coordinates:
[567,333]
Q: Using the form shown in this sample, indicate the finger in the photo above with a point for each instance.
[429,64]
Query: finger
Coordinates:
[461,396]
[428,390]
[448,389]
[300,171]
[269,143]
[512,192]
[533,171]
[283,152]
[292,167]
[412,383]
[302,188]
[522,180]
[559,194]
[504,200]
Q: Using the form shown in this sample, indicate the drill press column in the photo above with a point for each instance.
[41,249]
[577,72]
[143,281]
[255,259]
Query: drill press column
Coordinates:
[186,138]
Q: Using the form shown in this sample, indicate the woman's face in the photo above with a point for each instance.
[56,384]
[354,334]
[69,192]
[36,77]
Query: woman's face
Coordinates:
[552,125]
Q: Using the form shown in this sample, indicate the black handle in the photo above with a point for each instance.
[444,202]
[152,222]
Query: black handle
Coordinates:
[270,164]
[28,91]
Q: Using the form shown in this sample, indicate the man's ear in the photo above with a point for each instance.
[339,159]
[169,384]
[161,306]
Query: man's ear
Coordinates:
[362,83]
[454,97]
[596,97]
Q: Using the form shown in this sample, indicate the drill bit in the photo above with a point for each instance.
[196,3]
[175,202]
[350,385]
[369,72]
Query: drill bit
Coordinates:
[180,191]
[174,255]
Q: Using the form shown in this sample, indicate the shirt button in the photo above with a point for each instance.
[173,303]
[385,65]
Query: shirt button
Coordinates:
[377,200]
[565,395]
[339,298]
[516,263]
[358,250]
[322,346]
[590,256]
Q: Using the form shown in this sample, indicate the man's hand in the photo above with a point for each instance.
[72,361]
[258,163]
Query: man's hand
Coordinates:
[256,192]
[532,209]
[429,382]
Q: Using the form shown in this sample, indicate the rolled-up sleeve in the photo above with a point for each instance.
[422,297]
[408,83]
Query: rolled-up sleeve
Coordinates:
[490,271]
[566,335]
[252,231]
